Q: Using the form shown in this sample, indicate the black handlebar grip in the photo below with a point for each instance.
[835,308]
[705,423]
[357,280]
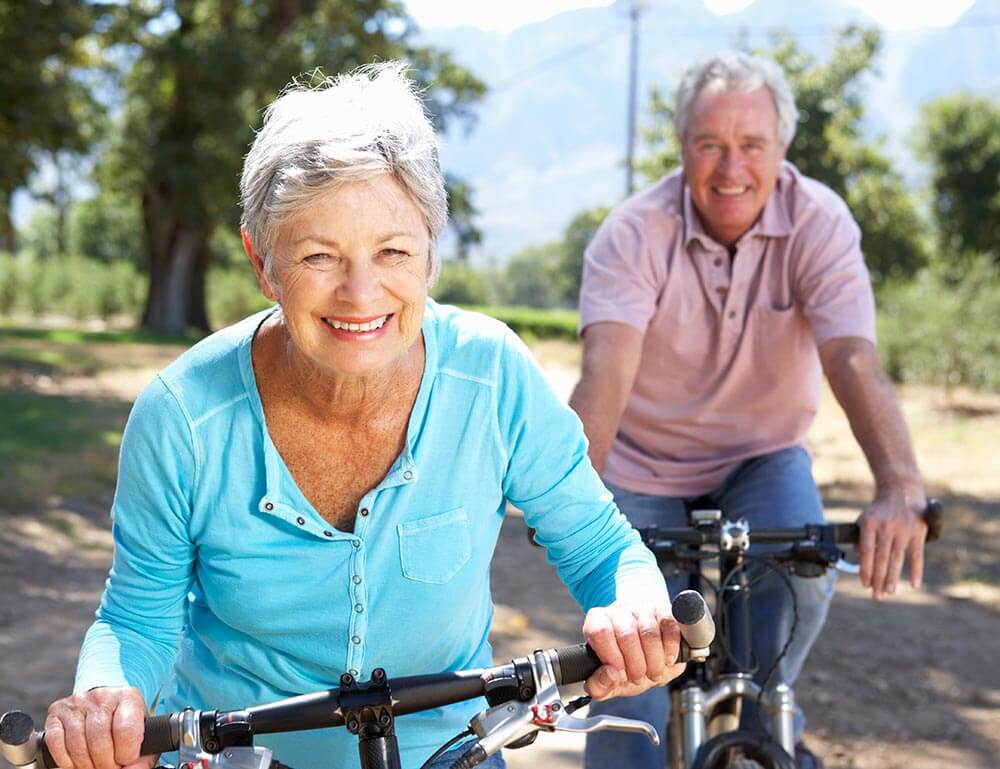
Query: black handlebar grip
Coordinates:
[934,518]
[161,736]
[845,533]
[576,663]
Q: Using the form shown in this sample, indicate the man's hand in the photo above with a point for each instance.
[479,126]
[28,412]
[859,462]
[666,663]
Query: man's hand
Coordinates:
[638,645]
[892,527]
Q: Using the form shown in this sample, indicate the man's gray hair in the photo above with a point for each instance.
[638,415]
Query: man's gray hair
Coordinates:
[738,72]
[349,128]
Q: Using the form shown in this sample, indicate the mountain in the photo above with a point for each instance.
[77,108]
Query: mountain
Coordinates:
[550,135]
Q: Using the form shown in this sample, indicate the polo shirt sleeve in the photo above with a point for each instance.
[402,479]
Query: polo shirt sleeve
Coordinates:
[548,475]
[619,282]
[832,281]
[143,609]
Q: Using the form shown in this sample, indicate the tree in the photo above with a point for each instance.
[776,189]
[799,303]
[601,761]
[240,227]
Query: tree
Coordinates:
[462,214]
[202,73]
[46,105]
[531,277]
[961,141]
[576,237]
[830,145]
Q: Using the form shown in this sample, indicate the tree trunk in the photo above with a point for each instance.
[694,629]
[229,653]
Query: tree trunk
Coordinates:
[178,259]
[8,236]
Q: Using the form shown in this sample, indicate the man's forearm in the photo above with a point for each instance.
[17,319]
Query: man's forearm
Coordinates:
[876,420]
[597,408]
[611,353]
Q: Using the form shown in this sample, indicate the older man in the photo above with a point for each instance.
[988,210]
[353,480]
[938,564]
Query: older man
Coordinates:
[712,303]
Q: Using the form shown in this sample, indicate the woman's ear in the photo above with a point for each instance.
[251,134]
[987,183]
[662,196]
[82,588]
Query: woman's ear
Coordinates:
[257,262]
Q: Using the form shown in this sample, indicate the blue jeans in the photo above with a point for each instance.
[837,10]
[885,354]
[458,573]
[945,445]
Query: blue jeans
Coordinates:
[774,490]
[493,762]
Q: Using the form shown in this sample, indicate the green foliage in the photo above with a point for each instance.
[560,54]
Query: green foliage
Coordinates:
[47,102]
[108,228]
[533,323]
[576,237]
[940,328]
[533,278]
[460,283]
[69,286]
[233,294]
[462,214]
[960,138]
[830,146]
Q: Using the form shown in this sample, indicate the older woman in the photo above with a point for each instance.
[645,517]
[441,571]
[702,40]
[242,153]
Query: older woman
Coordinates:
[319,488]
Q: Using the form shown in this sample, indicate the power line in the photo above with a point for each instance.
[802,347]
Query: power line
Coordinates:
[553,61]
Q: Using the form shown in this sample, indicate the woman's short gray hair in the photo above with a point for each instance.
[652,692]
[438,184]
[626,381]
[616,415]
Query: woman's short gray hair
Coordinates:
[739,72]
[349,128]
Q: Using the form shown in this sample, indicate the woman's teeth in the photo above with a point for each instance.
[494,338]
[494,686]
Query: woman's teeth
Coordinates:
[369,326]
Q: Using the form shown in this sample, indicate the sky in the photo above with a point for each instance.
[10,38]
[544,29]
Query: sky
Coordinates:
[510,14]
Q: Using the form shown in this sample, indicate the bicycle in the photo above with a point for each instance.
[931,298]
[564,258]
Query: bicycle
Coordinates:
[704,727]
[523,695]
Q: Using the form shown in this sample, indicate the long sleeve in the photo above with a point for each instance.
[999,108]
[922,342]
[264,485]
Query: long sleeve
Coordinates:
[548,475]
[143,609]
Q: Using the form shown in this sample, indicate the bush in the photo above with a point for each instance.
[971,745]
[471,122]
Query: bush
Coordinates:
[531,323]
[232,294]
[459,283]
[940,328]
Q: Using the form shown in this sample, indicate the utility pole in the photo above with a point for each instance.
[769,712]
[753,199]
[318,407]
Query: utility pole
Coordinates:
[634,9]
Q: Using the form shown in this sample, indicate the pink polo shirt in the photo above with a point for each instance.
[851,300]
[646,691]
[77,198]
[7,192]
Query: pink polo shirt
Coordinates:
[729,366]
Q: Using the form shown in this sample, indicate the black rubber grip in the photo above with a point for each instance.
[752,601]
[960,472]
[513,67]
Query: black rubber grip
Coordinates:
[576,663]
[934,517]
[688,607]
[160,736]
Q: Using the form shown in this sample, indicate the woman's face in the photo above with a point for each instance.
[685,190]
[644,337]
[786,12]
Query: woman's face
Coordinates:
[351,274]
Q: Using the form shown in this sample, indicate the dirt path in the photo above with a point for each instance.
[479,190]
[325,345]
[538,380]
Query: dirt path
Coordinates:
[911,684]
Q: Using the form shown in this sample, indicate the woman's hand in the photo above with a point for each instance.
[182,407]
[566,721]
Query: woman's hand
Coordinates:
[99,729]
[638,645]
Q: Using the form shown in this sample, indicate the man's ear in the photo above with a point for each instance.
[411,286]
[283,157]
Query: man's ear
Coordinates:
[257,262]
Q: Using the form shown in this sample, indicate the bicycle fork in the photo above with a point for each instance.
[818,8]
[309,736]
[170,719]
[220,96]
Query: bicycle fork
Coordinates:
[693,706]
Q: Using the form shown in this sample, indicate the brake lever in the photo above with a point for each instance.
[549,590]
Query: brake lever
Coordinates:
[510,722]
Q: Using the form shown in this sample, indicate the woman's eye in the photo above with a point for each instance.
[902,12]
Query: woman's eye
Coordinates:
[393,253]
[319,260]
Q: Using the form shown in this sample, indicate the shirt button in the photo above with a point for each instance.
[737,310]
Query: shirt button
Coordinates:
[408,475]
[732,313]
[356,579]
[356,543]
[300,521]
[717,262]
[355,639]
[364,511]
[359,608]
[353,672]
[269,506]
[327,533]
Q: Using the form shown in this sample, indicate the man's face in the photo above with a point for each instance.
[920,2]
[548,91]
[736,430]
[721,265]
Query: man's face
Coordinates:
[732,157]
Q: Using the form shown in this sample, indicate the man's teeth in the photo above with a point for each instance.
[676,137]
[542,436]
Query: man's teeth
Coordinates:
[731,190]
[369,326]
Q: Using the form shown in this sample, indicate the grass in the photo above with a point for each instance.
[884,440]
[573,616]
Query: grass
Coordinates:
[56,445]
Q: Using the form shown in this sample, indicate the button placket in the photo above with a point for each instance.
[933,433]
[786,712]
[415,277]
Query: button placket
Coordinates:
[359,615]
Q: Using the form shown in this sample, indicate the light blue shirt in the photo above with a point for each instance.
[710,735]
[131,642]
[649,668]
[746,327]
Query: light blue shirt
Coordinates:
[228,589]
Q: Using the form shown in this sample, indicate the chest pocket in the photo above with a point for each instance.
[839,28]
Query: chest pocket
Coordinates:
[434,549]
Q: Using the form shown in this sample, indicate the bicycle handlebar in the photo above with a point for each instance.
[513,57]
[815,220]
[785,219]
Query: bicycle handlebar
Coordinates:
[836,533]
[22,745]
